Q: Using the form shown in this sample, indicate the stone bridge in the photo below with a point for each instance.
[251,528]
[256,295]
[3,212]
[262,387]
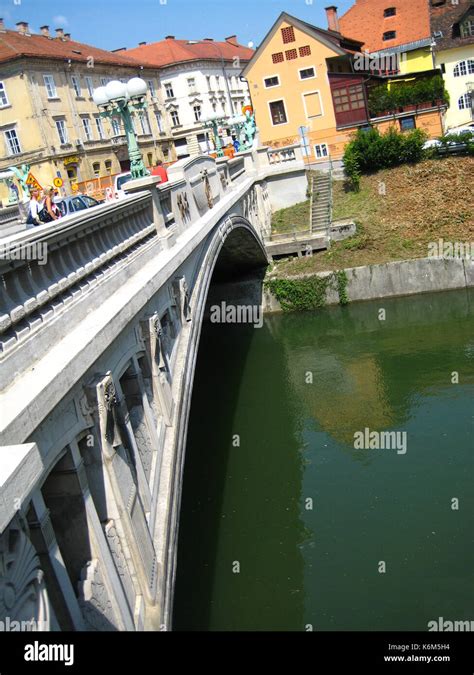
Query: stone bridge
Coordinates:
[100,320]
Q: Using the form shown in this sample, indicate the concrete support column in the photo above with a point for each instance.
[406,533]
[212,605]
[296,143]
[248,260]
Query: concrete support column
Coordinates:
[116,593]
[44,540]
[149,183]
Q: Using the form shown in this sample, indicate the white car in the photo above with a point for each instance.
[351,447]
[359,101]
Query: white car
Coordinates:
[119,182]
[432,143]
[463,129]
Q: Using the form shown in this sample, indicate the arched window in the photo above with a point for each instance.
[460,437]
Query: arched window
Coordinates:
[464,68]
[464,101]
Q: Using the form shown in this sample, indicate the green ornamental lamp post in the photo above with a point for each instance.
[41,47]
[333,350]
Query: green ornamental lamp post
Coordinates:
[213,122]
[118,99]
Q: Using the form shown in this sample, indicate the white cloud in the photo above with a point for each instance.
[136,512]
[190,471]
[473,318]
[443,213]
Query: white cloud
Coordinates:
[60,20]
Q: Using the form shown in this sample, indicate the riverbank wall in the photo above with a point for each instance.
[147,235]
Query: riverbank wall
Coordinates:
[404,277]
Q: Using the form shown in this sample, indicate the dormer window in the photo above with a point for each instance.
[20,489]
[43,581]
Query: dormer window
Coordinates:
[389,11]
[389,35]
[467,28]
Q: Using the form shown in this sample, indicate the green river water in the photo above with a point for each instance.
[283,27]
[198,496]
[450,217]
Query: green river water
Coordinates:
[254,553]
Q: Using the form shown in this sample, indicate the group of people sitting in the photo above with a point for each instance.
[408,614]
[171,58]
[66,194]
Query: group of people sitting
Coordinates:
[42,208]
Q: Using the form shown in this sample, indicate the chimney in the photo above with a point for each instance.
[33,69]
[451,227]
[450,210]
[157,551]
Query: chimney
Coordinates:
[140,44]
[45,31]
[232,40]
[120,49]
[67,36]
[169,37]
[2,25]
[23,27]
[333,21]
[59,33]
[208,40]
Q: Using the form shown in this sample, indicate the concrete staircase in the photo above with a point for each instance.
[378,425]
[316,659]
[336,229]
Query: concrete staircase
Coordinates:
[321,203]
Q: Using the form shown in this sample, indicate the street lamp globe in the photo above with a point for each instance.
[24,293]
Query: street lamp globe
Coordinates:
[116,90]
[99,96]
[136,87]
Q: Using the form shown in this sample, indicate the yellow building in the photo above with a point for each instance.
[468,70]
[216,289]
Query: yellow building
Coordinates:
[453,32]
[290,88]
[48,119]
[307,86]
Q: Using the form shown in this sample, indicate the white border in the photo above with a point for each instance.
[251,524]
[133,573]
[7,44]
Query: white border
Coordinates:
[281,124]
[307,78]
[324,157]
[307,93]
[273,86]
[7,104]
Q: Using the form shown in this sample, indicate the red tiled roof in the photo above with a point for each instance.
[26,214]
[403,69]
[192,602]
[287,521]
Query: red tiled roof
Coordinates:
[365,21]
[169,51]
[445,18]
[14,45]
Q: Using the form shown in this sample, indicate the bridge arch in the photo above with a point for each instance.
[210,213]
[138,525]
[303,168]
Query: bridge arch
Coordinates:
[235,250]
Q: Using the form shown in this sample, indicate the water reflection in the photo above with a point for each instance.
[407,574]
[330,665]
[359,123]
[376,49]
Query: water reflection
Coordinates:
[309,518]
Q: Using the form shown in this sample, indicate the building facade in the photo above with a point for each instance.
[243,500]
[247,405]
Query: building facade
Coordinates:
[307,87]
[48,119]
[453,32]
[199,78]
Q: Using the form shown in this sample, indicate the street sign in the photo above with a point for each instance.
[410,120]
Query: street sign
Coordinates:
[32,182]
[58,182]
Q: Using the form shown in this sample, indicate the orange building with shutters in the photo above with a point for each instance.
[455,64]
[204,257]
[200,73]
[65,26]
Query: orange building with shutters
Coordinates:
[308,85]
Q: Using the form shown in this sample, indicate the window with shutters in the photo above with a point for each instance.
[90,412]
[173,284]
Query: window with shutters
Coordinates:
[312,104]
[278,57]
[278,112]
[288,34]
[291,54]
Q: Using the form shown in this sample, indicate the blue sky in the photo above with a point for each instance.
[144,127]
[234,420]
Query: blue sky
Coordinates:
[124,23]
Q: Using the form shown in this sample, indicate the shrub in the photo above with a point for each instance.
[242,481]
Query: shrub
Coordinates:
[371,151]
[352,168]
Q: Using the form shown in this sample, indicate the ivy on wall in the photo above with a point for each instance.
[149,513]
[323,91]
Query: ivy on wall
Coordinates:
[308,293]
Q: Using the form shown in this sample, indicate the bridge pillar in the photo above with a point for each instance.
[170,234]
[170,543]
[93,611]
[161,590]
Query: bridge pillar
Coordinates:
[149,183]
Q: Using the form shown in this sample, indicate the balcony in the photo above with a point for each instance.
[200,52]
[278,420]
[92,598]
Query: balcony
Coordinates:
[406,94]
[357,103]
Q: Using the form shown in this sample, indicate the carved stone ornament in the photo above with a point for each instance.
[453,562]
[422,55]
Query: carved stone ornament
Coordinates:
[94,599]
[183,205]
[181,294]
[207,187]
[23,595]
[108,404]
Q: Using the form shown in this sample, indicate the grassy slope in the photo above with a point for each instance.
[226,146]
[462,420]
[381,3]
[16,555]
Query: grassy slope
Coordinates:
[294,217]
[423,202]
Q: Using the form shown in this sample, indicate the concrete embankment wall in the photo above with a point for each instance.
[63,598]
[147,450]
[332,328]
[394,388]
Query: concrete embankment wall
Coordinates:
[406,277]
